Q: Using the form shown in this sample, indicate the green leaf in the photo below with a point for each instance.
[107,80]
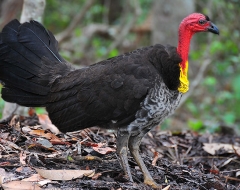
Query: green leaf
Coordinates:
[210,81]
[236,87]
[78,32]
[192,107]
[113,53]
[40,110]
[229,118]
[195,125]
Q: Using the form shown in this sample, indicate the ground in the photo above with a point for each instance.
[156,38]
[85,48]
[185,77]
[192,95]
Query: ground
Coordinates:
[34,158]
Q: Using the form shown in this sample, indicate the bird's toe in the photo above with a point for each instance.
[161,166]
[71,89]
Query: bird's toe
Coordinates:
[152,183]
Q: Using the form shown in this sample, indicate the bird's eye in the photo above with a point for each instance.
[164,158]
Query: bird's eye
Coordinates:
[202,22]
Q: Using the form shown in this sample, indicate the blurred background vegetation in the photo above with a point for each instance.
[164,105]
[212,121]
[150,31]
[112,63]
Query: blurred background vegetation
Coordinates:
[108,28]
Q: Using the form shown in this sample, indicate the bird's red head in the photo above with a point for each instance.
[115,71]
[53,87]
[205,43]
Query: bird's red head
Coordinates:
[190,25]
[197,22]
[193,23]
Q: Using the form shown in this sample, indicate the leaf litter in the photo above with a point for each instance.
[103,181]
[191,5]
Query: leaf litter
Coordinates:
[37,157]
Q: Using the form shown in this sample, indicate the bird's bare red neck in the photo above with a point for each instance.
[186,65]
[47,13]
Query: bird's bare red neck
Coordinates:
[185,36]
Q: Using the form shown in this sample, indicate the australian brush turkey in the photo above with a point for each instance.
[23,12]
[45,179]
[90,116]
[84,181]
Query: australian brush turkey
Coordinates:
[131,93]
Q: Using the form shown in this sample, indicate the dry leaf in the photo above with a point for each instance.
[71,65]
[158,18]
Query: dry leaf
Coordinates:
[237,173]
[39,146]
[236,150]
[52,137]
[228,161]
[214,170]
[92,144]
[166,188]
[5,176]
[155,159]
[89,157]
[105,150]
[22,157]
[26,129]
[44,142]
[47,124]
[31,112]
[15,122]
[53,155]
[64,174]
[19,169]
[96,176]
[43,133]
[34,177]
[57,142]
[44,182]
[4,135]
[38,132]
[5,164]
[10,144]
[18,185]
[37,178]
[211,148]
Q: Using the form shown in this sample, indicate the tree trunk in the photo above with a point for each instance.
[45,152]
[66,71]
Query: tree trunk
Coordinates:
[31,10]
[167,15]
[8,10]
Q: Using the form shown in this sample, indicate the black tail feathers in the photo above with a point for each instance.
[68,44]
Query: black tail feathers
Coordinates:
[29,63]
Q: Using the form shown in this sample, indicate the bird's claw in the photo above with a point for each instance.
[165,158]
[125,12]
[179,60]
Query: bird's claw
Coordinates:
[152,183]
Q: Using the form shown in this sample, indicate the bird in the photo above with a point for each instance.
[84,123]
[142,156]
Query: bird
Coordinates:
[130,93]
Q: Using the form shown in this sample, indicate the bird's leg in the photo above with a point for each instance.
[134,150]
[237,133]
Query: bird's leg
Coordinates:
[133,144]
[122,149]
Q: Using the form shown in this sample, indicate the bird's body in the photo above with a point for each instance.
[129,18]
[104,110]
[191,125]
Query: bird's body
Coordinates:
[122,90]
[131,93]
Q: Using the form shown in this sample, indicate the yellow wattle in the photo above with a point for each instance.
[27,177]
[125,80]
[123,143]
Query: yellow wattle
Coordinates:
[184,83]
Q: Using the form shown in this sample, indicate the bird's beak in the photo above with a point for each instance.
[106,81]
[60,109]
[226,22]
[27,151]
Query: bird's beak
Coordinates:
[213,28]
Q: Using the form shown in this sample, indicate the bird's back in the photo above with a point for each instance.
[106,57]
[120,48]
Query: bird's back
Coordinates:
[111,93]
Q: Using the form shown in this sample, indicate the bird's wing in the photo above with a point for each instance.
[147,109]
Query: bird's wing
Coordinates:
[109,90]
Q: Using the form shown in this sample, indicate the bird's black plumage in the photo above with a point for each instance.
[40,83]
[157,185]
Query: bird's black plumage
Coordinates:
[131,93]
[35,74]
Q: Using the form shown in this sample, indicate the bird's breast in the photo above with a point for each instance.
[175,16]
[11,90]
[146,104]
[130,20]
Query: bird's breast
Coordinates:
[158,104]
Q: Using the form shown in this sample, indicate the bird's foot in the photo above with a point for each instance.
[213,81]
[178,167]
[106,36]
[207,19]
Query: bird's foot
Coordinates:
[122,177]
[152,183]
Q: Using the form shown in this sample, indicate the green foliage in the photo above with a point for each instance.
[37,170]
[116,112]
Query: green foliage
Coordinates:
[192,107]
[113,53]
[58,14]
[195,125]
[217,98]
[229,118]
[40,110]
[236,86]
